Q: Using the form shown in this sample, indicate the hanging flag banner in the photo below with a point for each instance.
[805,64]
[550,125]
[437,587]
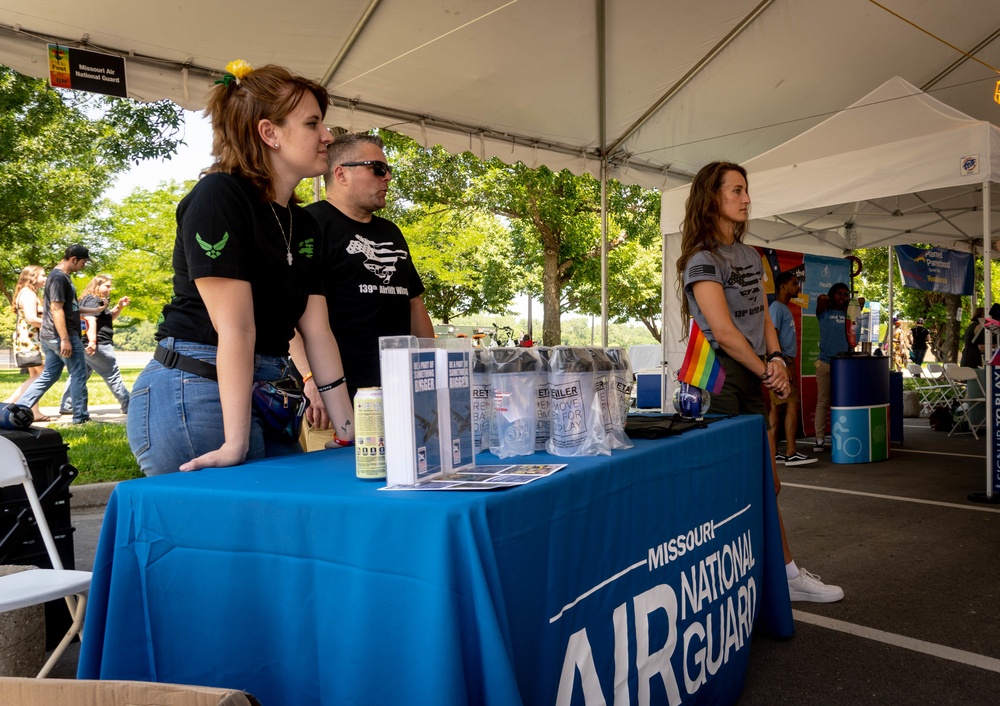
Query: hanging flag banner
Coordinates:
[84,70]
[701,367]
[936,269]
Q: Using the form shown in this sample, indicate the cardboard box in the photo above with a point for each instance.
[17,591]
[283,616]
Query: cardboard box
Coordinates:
[71,692]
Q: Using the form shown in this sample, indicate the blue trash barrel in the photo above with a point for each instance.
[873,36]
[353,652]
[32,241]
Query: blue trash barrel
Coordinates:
[859,409]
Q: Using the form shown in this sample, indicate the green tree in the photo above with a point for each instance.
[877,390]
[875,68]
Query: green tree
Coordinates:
[59,151]
[946,315]
[137,244]
[466,264]
[554,217]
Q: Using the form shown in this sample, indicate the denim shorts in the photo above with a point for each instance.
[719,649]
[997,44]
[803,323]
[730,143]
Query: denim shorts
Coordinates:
[174,416]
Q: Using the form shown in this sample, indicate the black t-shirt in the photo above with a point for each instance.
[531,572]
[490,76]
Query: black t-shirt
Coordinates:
[919,334]
[224,230]
[105,321]
[369,279]
[59,288]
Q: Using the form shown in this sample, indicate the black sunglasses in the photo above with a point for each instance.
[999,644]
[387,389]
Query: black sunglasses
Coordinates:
[379,168]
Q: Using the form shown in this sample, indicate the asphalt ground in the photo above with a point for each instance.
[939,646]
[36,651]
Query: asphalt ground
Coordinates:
[919,564]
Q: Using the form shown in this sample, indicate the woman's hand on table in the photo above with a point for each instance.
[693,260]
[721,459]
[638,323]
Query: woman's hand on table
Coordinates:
[226,455]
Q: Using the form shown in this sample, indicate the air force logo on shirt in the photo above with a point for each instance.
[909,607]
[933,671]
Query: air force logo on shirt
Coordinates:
[380,258]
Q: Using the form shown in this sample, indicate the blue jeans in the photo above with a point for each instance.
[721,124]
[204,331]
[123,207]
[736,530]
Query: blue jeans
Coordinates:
[103,362]
[174,416]
[77,365]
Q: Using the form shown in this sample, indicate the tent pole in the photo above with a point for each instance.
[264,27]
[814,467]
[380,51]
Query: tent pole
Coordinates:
[604,252]
[664,293]
[889,324]
[602,117]
[991,450]
[988,340]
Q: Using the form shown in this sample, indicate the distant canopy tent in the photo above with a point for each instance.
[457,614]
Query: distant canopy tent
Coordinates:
[897,167]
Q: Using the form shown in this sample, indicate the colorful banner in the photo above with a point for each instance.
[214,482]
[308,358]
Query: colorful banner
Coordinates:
[936,269]
[816,274]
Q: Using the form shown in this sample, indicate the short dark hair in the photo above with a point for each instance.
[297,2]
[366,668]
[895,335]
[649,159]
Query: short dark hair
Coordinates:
[77,251]
[783,279]
[344,147]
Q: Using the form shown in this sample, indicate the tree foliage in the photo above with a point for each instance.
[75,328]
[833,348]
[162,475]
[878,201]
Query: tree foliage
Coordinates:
[59,151]
[946,315]
[553,217]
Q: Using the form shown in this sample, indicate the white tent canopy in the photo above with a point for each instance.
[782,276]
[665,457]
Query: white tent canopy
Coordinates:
[896,167]
[660,88]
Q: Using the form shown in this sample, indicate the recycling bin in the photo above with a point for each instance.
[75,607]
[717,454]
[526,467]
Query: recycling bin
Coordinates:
[859,409]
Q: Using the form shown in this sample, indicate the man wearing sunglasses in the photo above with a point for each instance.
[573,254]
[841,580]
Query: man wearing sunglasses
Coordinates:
[372,286]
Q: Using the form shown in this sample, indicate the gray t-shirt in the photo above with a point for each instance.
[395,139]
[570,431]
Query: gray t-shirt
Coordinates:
[738,268]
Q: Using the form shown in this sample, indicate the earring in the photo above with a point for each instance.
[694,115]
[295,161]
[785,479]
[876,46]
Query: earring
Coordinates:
[275,145]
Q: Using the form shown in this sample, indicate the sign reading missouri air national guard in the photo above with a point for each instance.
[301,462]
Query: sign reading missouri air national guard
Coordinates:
[84,70]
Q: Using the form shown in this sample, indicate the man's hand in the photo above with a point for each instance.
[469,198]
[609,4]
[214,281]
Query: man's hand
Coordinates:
[316,413]
[65,348]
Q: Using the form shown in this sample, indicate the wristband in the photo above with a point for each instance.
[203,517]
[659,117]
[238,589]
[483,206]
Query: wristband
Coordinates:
[343,442]
[332,385]
[306,378]
[764,375]
[775,356]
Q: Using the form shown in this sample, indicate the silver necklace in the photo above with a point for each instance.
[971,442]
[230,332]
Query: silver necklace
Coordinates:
[288,238]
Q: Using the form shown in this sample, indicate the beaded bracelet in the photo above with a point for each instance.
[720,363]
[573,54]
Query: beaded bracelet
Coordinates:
[332,385]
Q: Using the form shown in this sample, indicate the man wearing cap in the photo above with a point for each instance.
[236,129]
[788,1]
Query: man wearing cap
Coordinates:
[59,335]
[918,342]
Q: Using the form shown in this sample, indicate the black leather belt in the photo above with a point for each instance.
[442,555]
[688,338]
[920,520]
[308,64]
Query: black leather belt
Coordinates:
[170,358]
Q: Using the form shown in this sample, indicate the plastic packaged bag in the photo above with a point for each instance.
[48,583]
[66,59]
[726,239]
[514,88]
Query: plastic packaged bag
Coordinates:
[514,385]
[577,427]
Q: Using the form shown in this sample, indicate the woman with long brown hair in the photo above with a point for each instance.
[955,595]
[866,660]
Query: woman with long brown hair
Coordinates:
[723,282]
[99,337]
[28,309]
[241,238]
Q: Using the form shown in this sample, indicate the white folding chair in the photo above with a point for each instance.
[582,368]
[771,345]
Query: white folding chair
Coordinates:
[35,586]
[931,392]
[959,377]
[938,383]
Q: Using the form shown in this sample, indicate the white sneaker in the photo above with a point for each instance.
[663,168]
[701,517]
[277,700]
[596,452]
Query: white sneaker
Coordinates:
[808,587]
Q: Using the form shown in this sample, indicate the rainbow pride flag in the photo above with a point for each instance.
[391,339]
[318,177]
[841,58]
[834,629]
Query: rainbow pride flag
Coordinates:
[700,367]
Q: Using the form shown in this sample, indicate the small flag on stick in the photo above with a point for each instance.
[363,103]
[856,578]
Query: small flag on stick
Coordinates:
[700,367]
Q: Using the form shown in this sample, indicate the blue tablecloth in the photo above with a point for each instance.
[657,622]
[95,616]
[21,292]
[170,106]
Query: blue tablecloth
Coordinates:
[293,580]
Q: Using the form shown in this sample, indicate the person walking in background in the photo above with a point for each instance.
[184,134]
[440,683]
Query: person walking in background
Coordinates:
[900,353]
[786,288]
[918,342]
[831,314]
[245,277]
[974,341]
[723,291]
[60,334]
[99,347]
[28,311]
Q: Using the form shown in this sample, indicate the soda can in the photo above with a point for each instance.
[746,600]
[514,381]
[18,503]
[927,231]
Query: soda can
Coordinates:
[369,433]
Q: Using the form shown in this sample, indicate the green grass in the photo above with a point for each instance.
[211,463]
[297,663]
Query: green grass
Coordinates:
[98,450]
